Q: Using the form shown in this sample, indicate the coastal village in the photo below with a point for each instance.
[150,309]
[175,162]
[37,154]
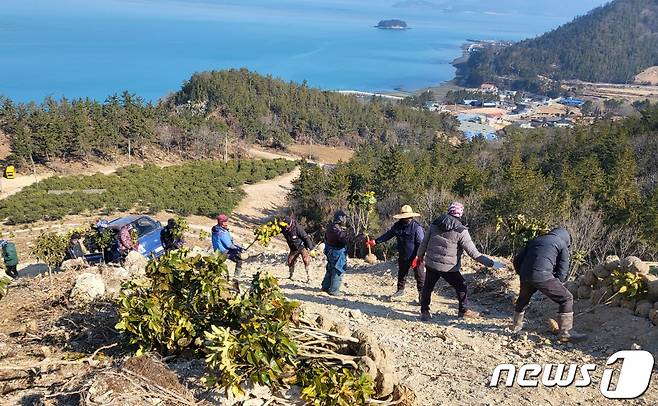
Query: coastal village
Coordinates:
[496,109]
[488,109]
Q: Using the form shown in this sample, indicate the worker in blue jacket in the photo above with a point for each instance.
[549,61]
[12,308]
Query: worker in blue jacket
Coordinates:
[222,241]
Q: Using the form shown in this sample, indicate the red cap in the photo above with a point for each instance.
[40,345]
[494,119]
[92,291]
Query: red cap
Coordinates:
[222,219]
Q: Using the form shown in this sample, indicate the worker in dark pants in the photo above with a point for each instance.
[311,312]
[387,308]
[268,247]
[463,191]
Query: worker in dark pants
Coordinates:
[300,245]
[543,265]
[409,236]
[441,251]
[168,239]
[10,257]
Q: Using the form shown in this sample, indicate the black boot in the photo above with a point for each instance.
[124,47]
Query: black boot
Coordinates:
[397,295]
[517,322]
[567,333]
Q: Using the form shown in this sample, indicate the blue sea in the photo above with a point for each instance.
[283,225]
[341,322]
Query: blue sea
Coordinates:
[93,48]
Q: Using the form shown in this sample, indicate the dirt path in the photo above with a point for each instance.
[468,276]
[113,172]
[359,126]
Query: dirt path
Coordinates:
[449,361]
[265,198]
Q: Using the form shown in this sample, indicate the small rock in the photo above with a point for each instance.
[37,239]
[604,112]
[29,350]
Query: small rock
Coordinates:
[634,265]
[45,351]
[73,264]
[628,304]
[611,263]
[643,308]
[584,292]
[355,314]
[635,346]
[601,271]
[653,316]
[253,402]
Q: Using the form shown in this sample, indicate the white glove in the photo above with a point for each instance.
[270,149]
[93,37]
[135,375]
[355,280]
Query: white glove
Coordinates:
[499,265]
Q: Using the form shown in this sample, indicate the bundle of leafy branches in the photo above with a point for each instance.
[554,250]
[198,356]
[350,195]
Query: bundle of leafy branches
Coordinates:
[186,304]
[203,187]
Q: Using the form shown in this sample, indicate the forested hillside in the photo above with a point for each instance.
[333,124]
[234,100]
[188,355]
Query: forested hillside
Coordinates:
[612,43]
[599,180]
[273,111]
[194,121]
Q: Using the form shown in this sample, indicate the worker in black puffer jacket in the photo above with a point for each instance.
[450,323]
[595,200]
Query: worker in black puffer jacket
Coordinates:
[543,266]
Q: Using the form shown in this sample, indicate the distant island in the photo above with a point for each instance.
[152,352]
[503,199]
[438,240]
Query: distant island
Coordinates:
[392,25]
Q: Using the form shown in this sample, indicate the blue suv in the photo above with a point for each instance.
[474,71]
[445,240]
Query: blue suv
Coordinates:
[148,232]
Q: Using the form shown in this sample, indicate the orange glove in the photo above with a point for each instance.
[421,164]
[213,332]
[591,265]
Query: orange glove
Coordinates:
[415,262]
[371,243]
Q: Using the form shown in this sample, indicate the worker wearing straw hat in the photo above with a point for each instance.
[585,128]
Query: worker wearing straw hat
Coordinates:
[409,235]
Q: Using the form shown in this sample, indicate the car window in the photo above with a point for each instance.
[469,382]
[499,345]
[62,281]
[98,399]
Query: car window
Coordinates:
[144,225]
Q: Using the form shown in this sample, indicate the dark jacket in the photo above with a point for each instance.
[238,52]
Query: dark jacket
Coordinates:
[443,246]
[169,241]
[296,236]
[9,254]
[335,236]
[408,237]
[546,257]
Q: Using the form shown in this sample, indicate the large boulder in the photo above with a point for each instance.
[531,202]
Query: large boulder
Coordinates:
[88,287]
[135,263]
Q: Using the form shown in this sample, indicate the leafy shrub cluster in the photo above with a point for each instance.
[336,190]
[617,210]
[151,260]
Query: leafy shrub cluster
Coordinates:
[203,188]
[186,303]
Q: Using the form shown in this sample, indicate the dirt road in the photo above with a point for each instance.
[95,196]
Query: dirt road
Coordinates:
[265,198]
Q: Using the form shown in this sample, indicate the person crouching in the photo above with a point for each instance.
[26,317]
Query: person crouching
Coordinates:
[222,241]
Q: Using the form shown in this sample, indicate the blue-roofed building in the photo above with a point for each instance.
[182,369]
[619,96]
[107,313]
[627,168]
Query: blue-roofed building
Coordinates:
[570,101]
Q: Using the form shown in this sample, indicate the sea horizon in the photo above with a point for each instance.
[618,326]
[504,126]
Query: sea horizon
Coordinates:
[74,49]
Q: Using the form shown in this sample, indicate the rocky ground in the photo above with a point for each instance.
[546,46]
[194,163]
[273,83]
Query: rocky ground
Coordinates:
[57,350]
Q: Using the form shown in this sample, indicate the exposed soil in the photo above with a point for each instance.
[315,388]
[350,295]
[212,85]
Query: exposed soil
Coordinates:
[647,77]
[445,361]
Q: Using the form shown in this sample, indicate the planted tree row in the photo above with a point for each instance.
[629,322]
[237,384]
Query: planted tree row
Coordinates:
[204,188]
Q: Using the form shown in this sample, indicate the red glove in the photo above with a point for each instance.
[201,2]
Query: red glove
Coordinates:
[415,262]
[371,243]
